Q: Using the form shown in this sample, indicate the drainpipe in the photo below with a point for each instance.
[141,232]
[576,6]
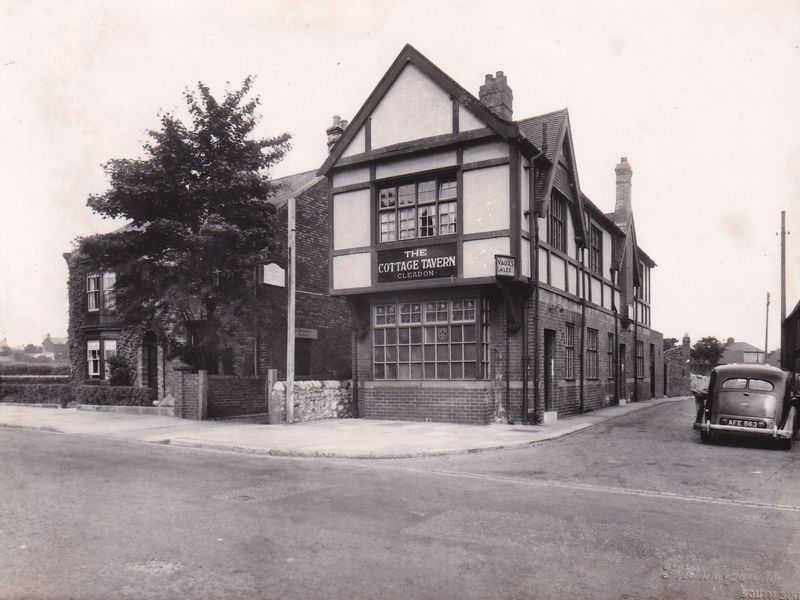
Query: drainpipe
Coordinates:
[616,336]
[635,345]
[508,374]
[533,227]
[583,328]
[354,368]
[524,317]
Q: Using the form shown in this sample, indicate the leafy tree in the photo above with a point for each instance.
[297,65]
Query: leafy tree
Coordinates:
[31,349]
[120,371]
[670,343]
[199,222]
[708,350]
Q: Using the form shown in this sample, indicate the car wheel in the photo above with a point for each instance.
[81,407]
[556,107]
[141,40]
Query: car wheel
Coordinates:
[787,443]
[705,437]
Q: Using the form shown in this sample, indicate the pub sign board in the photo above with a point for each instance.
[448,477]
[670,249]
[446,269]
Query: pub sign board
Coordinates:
[414,264]
[504,266]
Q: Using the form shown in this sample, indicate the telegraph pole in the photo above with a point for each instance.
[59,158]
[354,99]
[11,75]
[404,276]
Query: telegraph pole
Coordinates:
[783,283]
[766,332]
[290,320]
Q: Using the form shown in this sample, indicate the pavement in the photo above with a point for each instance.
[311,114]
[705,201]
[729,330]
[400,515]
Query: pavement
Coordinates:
[334,438]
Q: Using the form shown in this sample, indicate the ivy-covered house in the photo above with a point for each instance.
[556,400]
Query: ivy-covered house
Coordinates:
[97,334]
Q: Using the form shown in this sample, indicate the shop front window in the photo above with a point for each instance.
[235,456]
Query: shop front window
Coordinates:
[436,339]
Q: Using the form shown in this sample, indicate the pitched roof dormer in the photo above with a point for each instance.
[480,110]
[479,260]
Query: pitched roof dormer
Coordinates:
[552,133]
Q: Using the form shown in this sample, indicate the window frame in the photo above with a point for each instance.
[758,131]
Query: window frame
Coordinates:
[592,354]
[100,294]
[446,193]
[93,294]
[98,352]
[639,359]
[595,249]
[454,330]
[569,350]
[612,364]
[557,223]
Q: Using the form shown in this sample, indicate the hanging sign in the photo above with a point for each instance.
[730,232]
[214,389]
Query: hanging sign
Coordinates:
[505,266]
[412,264]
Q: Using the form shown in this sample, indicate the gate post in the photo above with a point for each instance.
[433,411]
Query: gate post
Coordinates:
[202,395]
[275,406]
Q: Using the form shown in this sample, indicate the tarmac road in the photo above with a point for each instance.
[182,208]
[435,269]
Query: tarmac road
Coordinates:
[632,508]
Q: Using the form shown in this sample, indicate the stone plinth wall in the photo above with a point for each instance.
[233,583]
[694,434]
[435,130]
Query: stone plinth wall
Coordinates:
[316,400]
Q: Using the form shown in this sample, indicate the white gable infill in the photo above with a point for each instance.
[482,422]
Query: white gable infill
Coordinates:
[415,100]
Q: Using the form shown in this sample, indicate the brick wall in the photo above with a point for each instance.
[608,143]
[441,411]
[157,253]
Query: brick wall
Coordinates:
[230,396]
[410,401]
[184,387]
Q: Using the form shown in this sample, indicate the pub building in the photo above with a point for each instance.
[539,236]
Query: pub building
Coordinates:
[441,207]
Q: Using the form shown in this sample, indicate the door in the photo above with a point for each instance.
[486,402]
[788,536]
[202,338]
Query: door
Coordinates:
[549,367]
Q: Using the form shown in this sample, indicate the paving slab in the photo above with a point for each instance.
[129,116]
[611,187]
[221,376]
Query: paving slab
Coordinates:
[335,438]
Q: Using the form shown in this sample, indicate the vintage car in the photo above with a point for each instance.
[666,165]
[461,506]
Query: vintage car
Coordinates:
[752,400]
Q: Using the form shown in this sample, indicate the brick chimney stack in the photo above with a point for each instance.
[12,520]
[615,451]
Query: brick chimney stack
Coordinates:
[622,209]
[495,95]
[335,131]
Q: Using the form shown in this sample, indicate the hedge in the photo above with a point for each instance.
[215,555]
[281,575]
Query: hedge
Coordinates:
[28,369]
[104,395]
[34,379]
[37,393]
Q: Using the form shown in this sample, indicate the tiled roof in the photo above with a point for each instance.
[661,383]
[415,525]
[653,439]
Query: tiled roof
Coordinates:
[742,347]
[290,185]
[532,129]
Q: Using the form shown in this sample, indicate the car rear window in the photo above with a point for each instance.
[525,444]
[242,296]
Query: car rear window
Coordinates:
[740,383]
[761,385]
[734,384]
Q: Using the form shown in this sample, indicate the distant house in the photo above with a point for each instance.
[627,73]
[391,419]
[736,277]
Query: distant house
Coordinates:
[741,352]
[56,346]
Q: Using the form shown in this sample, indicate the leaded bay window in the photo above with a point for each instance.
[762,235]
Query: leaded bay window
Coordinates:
[435,339]
[419,209]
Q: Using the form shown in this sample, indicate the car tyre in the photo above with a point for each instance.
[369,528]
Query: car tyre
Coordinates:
[787,444]
[705,437]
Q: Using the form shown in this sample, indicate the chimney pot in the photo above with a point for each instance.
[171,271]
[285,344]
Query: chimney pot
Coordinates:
[730,341]
[496,95]
[334,132]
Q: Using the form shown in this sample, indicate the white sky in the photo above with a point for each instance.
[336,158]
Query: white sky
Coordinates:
[703,97]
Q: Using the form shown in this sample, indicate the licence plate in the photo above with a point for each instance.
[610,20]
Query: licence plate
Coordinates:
[743,423]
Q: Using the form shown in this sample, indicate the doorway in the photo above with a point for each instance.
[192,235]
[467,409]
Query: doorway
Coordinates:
[549,367]
[652,370]
[150,360]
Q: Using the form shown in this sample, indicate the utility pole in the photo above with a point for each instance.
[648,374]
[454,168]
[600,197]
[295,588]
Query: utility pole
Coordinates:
[291,311]
[766,332]
[783,281]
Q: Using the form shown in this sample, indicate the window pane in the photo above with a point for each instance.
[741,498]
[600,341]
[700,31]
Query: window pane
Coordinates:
[442,370]
[416,353]
[761,385]
[416,371]
[469,352]
[469,333]
[447,218]
[410,312]
[430,335]
[734,384]
[426,191]
[416,335]
[427,221]
[391,354]
[403,335]
[391,336]
[408,225]
[379,336]
[380,372]
[455,334]
[388,226]
[379,355]
[457,372]
[391,371]
[455,351]
[404,372]
[387,198]
[430,352]
[430,371]
[406,195]
[403,353]
[442,334]
[469,370]
[442,352]
[447,190]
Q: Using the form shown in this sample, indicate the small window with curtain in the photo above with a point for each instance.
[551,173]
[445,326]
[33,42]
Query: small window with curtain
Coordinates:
[418,209]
